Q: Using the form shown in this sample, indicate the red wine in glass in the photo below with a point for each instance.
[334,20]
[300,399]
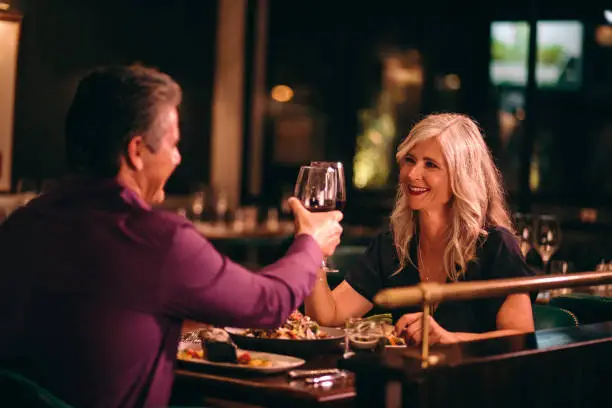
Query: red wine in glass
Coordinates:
[327,205]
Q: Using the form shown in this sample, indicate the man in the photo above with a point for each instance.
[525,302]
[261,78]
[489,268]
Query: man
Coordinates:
[95,283]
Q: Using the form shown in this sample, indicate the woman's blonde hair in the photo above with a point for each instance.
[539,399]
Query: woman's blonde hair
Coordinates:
[477,199]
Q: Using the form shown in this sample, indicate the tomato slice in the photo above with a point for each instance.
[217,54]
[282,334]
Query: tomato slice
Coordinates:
[245,358]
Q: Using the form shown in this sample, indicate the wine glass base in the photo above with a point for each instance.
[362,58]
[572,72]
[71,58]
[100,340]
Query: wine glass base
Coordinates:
[325,268]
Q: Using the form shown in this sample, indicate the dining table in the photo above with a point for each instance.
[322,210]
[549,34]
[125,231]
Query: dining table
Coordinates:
[206,385]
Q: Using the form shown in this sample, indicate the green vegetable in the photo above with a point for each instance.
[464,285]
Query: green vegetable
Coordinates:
[383,318]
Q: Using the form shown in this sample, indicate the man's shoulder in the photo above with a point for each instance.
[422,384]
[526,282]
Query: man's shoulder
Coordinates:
[166,218]
[158,223]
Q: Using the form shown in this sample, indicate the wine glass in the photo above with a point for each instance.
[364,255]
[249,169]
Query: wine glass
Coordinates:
[316,189]
[198,202]
[362,335]
[221,207]
[547,236]
[524,232]
[340,181]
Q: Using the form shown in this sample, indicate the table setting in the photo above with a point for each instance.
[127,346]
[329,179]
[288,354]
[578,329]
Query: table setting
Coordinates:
[296,363]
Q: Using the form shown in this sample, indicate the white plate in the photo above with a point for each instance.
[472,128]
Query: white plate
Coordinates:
[279,362]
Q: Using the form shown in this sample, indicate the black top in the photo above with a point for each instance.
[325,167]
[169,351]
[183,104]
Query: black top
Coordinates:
[497,256]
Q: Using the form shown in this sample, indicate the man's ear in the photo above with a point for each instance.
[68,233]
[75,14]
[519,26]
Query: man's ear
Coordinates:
[134,153]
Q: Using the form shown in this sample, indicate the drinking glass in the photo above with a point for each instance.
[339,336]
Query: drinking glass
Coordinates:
[547,237]
[198,202]
[221,207]
[340,181]
[363,335]
[316,189]
[524,232]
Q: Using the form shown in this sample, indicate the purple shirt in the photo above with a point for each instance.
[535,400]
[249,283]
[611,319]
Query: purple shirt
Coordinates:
[95,284]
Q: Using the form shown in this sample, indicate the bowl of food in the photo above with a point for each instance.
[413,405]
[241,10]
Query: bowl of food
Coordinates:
[298,336]
[391,339]
[364,342]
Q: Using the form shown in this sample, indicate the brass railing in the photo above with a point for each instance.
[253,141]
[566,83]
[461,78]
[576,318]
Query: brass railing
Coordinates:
[427,294]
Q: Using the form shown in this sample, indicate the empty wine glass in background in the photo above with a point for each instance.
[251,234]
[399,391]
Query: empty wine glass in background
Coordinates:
[316,189]
[547,237]
[221,207]
[272,220]
[198,201]
[524,231]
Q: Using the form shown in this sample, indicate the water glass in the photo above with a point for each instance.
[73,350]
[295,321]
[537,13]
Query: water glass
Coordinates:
[363,335]
[272,220]
[238,221]
[524,232]
[547,237]
[250,217]
[221,206]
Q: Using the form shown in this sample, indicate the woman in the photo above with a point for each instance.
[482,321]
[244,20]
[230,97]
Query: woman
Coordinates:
[449,224]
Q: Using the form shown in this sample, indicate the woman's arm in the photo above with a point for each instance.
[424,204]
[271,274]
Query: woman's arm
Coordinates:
[333,308]
[515,316]
[352,298]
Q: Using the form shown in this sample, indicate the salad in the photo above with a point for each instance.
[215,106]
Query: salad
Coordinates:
[297,327]
[386,320]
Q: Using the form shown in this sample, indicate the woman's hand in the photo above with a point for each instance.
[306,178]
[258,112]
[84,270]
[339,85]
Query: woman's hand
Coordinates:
[410,327]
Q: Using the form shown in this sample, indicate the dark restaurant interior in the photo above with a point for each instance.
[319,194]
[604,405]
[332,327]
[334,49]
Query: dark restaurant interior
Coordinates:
[269,86]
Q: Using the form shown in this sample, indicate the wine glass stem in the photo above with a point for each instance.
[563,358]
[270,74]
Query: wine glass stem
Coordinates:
[326,268]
